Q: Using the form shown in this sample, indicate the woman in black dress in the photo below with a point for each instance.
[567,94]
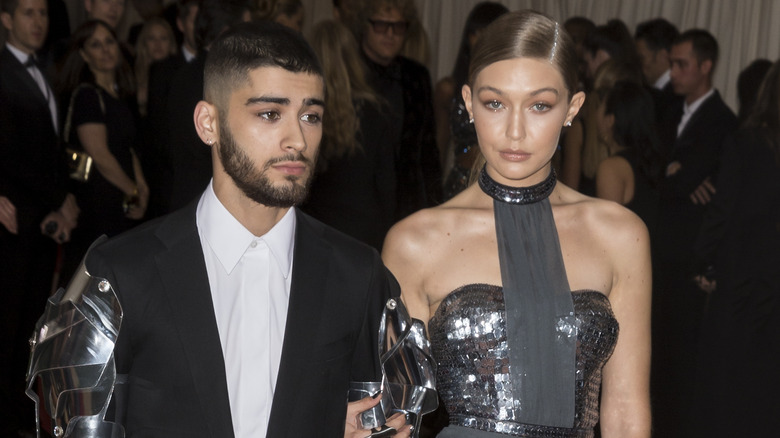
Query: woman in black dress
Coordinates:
[97,85]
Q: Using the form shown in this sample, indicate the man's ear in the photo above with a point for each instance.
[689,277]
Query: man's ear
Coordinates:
[706,66]
[7,20]
[206,120]
[466,93]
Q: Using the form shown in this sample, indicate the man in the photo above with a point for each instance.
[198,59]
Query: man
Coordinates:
[653,40]
[34,183]
[406,86]
[698,127]
[155,157]
[190,158]
[242,315]
[653,43]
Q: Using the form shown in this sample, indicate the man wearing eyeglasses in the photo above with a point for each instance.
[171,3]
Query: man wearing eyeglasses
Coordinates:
[406,86]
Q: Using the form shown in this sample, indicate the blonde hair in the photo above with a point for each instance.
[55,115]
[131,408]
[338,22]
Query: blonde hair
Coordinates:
[346,87]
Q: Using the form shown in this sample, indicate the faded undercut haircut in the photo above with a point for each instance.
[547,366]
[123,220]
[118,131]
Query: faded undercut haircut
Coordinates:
[247,46]
[526,34]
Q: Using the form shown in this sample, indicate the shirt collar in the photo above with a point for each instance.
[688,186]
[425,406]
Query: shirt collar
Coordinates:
[230,240]
[690,109]
[663,80]
[21,56]
[188,56]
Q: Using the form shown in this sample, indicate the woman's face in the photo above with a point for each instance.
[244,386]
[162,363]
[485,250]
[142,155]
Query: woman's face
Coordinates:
[101,51]
[158,43]
[604,122]
[519,107]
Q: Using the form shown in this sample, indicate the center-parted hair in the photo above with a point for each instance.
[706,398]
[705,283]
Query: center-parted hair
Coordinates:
[248,46]
[526,34]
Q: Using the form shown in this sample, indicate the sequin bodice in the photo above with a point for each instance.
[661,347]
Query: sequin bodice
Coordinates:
[468,339]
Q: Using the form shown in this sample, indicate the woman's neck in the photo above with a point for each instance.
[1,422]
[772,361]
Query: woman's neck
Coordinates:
[106,81]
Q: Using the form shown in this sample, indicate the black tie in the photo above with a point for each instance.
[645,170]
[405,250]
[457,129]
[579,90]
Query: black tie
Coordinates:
[32,61]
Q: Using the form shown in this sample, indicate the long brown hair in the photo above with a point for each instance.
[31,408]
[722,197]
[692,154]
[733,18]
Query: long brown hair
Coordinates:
[766,111]
[346,87]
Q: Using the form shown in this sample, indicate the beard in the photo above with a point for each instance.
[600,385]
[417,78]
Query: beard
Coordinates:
[253,182]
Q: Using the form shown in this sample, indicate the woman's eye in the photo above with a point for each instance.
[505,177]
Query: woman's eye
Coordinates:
[540,107]
[494,105]
[311,118]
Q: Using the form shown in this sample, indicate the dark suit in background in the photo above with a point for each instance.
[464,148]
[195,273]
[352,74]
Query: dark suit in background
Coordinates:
[169,346]
[34,179]
[190,157]
[678,303]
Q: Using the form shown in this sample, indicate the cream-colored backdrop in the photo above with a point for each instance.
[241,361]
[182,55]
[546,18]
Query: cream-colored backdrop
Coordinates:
[745,29]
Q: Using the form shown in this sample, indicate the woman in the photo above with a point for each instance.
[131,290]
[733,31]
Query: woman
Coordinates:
[155,43]
[355,185]
[288,13]
[98,83]
[630,175]
[491,270]
[454,134]
[738,255]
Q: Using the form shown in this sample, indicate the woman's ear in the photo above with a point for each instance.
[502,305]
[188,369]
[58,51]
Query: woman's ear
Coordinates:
[207,122]
[466,93]
[574,106]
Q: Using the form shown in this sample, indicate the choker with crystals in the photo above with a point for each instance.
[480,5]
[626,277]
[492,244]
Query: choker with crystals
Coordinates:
[517,195]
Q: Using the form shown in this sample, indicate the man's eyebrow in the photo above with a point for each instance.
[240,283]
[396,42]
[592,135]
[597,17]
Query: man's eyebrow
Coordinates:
[267,99]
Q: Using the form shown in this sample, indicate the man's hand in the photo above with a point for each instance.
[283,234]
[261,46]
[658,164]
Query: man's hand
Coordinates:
[353,430]
[705,284]
[8,215]
[703,194]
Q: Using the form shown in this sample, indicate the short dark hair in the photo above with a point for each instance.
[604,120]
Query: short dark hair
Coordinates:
[183,8]
[214,16]
[658,34]
[9,6]
[705,46]
[247,46]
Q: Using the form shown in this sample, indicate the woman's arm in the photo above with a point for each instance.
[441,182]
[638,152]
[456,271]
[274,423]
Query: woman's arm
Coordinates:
[94,138]
[625,401]
[138,209]
[611,179]
[403,253]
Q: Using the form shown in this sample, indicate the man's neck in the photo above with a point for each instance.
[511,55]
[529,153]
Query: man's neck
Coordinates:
[698,93]
[255,217]
[25,50]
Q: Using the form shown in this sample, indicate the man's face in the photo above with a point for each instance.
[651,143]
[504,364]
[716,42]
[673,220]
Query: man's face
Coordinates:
[688,76]
[654,62]
[28,25]
[269,138]
[384,35]
[187,27]
[110,11]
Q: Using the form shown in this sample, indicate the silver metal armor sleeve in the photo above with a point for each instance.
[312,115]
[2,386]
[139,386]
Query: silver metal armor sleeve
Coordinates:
[71,375]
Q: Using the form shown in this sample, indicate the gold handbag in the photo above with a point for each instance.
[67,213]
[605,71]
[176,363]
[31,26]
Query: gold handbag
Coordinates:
[79,162]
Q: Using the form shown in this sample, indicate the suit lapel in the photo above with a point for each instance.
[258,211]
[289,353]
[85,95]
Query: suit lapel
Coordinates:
[24,77]
[311,264]
[701,112]
[183,270]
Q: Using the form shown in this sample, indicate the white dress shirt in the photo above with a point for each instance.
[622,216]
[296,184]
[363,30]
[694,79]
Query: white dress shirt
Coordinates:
[661,82]
[188,56]
[688,110]
[43,85]
[250,281]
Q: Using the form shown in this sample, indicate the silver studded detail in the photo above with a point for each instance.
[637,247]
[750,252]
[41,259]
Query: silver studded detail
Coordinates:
[58,431]
[104,286]
[391,304]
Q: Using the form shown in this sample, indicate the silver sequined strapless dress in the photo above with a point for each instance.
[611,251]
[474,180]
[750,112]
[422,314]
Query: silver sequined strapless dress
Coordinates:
[468,339]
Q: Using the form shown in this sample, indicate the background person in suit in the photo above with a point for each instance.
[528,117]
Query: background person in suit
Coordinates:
[696,132]
[241,314]
[33,180]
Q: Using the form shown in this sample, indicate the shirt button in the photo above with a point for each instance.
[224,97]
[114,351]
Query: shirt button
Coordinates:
[253,244]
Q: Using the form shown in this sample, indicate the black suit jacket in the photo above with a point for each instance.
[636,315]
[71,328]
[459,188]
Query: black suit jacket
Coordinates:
[697,149]
[32,169]
[169,347]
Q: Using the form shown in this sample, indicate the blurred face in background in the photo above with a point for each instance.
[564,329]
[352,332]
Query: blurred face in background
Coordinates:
[101,51]
[294,21]
[187,27]
[384,35]
[27,26]
[110,11]
[158,42]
